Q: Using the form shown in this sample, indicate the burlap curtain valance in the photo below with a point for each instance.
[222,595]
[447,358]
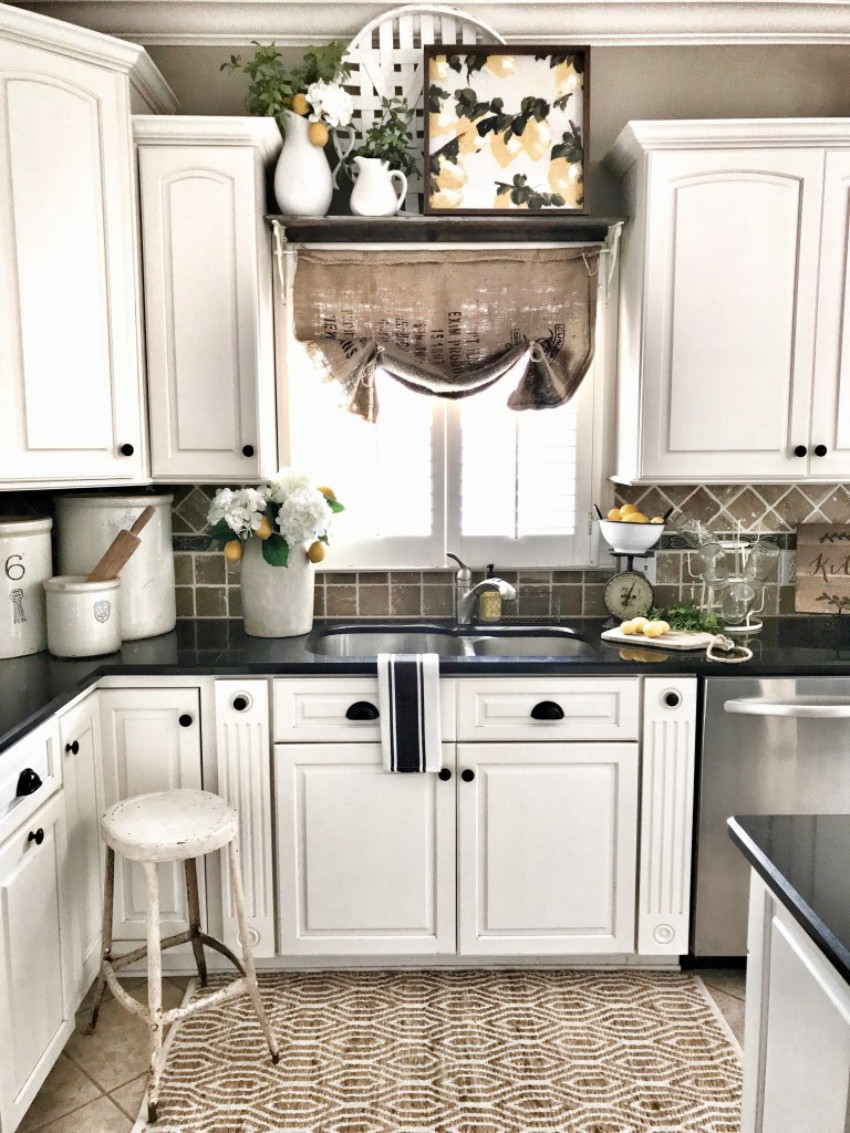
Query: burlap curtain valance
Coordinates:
[449,324]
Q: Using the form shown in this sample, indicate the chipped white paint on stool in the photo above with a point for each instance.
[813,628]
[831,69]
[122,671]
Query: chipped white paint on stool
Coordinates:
[166,827]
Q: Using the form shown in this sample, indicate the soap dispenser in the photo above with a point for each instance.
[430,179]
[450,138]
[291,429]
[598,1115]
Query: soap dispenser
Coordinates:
[490,602]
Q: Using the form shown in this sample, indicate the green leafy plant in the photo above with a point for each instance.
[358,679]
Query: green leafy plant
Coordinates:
[273,85]
[390,137]
[687,618]
[523,194]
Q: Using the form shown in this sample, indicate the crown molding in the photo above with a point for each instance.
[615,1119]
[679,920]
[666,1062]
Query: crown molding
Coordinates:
[603,22]
[261,134]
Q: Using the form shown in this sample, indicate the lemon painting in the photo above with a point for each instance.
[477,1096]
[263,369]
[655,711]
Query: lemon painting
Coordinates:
[505,128]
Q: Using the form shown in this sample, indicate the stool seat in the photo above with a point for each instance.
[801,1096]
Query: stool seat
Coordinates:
[169,826]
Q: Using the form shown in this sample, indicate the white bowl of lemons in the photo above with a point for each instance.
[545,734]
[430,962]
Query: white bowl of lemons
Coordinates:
[629,532]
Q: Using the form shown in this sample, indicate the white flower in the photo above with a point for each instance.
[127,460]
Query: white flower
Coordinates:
[330,102]
[241,510]
[287,480]
[304,514]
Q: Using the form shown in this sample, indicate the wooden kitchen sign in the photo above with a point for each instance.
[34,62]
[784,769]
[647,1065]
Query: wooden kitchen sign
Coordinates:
[823,568]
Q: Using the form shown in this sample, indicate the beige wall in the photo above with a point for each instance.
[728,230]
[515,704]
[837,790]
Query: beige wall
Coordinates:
[626,82]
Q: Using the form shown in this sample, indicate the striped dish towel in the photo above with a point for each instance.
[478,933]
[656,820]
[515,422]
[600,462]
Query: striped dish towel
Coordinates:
[409,702]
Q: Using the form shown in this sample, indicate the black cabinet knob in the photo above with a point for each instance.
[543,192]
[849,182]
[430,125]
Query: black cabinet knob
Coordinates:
[672,699]
[240,703]
[247,450]
[820,450]
[28,782]
[73,748]
[362,710]
[445,774]
[468,775]
[36,836]
[800,450]
[185,720]
[126,450]
[547,710]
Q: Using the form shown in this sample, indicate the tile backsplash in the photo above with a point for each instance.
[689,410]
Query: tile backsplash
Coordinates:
[207,586]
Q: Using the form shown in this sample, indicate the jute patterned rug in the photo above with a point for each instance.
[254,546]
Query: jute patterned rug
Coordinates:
[542,1051]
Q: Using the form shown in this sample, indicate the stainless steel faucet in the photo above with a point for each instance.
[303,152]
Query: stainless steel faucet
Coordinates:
[467,595]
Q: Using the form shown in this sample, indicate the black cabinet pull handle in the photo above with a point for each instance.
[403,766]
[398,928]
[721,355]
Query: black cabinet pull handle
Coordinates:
[800,450]
[468,775]
[547,710]
[185,721]
[672,699]
[73,748]
[445,774]
[362,710]
[28,782]
[240,703]
[247,450]
[820,450]
[36,836]
[126,450]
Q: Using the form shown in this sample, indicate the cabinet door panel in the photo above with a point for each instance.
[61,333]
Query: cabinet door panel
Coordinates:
[831,402]
[732,252]
[68,345]
[37,1016]
[366,857]
[547,849]
[146,749]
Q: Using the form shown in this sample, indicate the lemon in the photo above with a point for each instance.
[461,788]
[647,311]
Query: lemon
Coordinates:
[656,629]
[640,623]
[614,515]
[536,139]
[567,78]
[505,152]
[566,180]
[500,65]
[327,492]
[300,105]
[439,69]
[318,134]
[233,551]
[446,199]
[625,509]
[635,517]
[628,628]
[265,529]
[316,552]
[451,176]
[657,519]
[470,142]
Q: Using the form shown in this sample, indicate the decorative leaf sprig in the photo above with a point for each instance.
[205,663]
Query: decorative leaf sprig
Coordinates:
[523,194]
[273,85]
[570,147]
[841,603]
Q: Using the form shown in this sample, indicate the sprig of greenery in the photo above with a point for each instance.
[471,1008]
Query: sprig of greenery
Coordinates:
[687,618]
[522,193]
[570,146]
[273,85]
[390,137]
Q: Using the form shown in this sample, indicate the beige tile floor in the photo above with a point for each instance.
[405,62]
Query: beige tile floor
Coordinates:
[99,1081]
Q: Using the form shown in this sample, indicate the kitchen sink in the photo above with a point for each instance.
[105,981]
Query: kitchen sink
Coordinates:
[446,641]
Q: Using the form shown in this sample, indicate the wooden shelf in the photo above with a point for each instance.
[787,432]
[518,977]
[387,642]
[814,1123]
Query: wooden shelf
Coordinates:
[533,227]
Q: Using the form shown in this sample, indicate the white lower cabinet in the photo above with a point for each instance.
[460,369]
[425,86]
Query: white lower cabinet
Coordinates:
[151,742]
[36,1006]
[79,744]
[547,848]
[366,859]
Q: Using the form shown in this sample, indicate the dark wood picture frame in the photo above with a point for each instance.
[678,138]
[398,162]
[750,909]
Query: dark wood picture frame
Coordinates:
[502,50]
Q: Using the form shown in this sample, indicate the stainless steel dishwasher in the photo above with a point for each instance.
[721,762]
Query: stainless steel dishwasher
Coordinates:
[769,746]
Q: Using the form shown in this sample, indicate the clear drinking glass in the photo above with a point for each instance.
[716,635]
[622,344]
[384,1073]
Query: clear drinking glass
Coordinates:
[736,601]
[712,563]
[761,561]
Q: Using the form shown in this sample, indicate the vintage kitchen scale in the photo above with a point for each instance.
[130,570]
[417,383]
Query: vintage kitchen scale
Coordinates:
[628,593]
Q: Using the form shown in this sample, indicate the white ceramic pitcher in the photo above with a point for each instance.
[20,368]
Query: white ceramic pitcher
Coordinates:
[303,181]
[373,193]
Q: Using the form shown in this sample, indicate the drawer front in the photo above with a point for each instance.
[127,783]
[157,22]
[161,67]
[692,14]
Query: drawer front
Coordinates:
[37,753]
[548,708]
[314,710]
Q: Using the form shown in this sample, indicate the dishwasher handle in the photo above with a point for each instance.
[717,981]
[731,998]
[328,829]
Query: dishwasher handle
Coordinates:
[803,708]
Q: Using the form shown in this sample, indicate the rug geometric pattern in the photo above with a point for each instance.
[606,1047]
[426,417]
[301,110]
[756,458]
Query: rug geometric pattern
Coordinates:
[462,1051]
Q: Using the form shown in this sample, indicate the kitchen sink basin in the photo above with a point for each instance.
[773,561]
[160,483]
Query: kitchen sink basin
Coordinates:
[446,641]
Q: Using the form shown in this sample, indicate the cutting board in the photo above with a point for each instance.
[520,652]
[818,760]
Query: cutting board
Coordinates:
[679,640]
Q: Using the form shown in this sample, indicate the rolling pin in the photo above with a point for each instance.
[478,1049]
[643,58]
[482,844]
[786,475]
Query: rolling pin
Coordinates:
[119,550]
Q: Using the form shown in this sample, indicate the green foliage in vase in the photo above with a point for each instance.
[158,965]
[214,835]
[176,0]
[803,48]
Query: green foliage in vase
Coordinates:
[273,85]
[390,137]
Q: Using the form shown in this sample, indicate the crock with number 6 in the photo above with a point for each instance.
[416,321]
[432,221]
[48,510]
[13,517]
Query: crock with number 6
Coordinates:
[25,562]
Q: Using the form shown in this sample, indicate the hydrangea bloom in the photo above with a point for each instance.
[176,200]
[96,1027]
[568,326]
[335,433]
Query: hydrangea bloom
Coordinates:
[303,514]
[331,103]
[287,480]
[241,510]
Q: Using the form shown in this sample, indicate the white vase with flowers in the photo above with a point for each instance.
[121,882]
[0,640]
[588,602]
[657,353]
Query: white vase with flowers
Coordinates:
[278,532]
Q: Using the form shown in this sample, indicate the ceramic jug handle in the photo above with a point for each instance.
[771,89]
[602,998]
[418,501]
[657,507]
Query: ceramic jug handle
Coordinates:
[402,193]
[339,134]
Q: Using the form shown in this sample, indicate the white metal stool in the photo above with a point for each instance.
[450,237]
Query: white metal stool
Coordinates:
[173,826]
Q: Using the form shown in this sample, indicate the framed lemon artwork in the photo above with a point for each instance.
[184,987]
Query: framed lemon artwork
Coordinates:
[505,129]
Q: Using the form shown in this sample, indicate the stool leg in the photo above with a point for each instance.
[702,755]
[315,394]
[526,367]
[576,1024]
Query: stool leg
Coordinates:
[154,988]
[106,942]
[247,953]
[195,918]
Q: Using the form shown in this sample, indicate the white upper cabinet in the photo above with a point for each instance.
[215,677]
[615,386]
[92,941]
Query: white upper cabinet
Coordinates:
[730,366]
[71,404]
[208,295]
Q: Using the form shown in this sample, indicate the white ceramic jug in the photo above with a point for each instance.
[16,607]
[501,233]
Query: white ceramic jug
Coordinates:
[303,181]
[373,193]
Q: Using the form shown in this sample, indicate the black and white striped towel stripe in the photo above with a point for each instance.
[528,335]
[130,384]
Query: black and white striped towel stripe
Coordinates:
[409,701]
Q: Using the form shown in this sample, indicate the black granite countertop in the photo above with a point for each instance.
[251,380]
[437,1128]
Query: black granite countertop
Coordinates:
[32,688]
[803,859]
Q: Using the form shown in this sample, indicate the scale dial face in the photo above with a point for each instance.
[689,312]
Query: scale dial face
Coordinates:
[628,595]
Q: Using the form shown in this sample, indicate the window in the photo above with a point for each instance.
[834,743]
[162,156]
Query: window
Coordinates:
[469,476]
